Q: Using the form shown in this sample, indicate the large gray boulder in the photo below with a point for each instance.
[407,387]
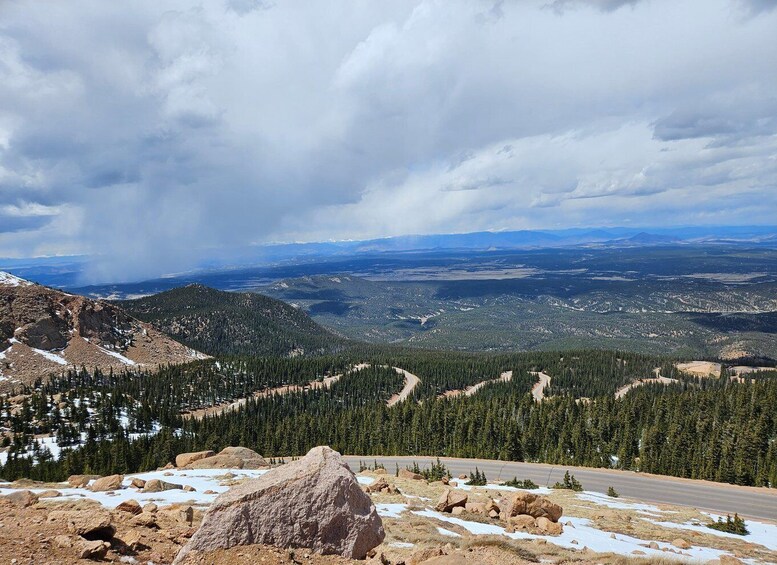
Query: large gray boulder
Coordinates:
[314,502]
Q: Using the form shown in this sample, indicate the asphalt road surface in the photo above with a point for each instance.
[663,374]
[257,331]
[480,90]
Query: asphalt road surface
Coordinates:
[750,502]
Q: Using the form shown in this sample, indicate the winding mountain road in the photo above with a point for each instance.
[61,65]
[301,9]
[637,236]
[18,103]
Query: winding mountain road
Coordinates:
[750,502]
[538,390]
[411,381]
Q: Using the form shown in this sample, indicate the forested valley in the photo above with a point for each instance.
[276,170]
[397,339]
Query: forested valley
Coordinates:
[710,428]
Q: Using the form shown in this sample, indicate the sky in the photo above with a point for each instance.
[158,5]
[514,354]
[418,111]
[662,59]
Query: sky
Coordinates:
[154,133]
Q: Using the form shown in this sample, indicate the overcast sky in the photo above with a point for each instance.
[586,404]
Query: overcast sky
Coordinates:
[156,132]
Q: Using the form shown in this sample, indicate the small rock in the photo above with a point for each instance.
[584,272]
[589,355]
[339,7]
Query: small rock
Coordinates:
[545,525]
[131,506]
[80,481]
[522,522]
[189,488]
[145,519]
[63,541]
[49,494]
[155,485]
[681,543]
[23,498]
[92,549]
[407,474]
[137,483]
[457,511]
[112,482]
[475,507]
[150,507]
[132,539]
[423,555]
[450,499]
[377,485]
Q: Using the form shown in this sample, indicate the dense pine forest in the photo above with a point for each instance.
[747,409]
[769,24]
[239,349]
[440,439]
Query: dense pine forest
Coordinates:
[710,428]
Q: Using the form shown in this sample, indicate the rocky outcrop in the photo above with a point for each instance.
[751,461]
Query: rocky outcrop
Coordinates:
[44,330]
[93,524]
[156,485]
[111,482]
[314,502]
[451,499]
[408,474]
[534,505]
[80,481]
[131,506]
[22,498]
[185,459]
[228,458]
[381,485]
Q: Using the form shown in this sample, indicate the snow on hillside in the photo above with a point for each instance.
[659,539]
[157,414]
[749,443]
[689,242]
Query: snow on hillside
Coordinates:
[8,279]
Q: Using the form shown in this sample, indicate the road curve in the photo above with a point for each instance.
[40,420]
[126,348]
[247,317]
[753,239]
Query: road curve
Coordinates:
[751,502]
[538,390]
[411,381]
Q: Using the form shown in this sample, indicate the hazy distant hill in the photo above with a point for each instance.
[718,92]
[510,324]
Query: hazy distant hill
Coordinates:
[244,323]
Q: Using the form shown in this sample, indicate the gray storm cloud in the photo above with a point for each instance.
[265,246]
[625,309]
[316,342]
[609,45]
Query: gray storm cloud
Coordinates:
[153,135]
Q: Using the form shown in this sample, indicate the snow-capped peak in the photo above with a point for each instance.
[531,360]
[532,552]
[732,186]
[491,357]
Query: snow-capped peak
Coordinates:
[8,279]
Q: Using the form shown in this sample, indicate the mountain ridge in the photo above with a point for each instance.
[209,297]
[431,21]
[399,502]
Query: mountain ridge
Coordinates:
[220,322]
[45,331]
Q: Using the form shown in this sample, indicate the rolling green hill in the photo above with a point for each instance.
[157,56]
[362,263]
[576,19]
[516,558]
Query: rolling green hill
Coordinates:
[231,323]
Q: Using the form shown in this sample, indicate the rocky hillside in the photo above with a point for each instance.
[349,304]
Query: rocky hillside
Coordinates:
[219,322]
[43,331]
[236,508]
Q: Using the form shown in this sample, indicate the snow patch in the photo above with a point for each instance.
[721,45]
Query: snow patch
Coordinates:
[604,500]
[760,533]
[583,535]
[540,490]
[51,356]
[201,479]
[119,356]
[387,510]
[7,279]
[448,533]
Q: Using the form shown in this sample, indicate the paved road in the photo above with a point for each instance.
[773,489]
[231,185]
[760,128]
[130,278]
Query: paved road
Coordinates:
[750,502]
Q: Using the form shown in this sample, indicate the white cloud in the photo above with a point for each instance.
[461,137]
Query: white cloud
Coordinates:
[172,127]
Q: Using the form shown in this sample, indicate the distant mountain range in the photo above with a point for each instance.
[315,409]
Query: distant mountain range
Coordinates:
[69,272]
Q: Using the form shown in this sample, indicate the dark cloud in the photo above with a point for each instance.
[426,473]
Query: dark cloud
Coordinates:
[10,224]
[734,117]
[603,5]
[755,7]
